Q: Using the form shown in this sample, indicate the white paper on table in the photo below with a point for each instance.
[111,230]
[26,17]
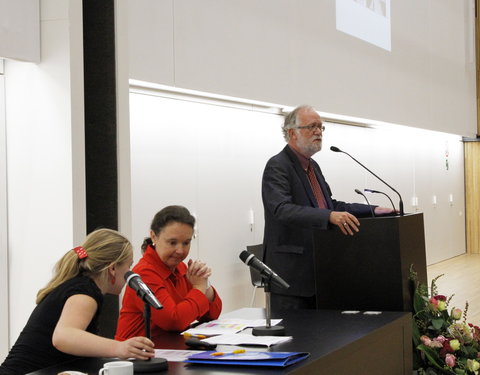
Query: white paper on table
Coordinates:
[215,328]
[228,326]
[175,355]
[245,339]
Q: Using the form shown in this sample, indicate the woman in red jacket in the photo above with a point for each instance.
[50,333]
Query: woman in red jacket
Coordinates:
[182,289]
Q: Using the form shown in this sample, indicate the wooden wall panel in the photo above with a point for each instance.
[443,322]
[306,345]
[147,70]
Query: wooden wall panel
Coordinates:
[472,163]
[472,195]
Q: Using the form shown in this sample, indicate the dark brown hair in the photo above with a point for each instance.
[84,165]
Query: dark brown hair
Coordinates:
[166,216]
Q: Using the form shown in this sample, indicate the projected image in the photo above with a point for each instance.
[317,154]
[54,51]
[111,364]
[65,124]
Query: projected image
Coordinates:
[377,6]
[368,20]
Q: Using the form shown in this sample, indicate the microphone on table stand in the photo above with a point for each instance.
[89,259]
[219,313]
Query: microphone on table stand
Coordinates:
[134,281]
[269,276]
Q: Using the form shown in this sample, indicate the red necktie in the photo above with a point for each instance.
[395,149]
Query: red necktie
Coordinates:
[317,190]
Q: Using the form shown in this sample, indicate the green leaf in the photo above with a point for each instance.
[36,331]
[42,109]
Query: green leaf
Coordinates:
[437,323]
[418,303]
[445,314]
[470,351]
[415,334]
[434,358]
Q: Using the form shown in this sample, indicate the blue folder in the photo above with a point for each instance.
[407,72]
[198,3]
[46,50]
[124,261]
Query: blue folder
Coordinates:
[249,358]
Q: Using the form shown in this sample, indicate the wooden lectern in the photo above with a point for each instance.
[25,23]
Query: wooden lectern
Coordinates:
[369,271]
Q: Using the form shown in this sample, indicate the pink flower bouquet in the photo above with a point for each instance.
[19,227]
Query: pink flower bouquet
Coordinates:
[444,343]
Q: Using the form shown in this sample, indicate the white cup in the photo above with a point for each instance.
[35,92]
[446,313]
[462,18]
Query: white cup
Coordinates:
[117,368]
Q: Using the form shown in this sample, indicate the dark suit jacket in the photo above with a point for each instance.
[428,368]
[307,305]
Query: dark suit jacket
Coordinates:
[291,214]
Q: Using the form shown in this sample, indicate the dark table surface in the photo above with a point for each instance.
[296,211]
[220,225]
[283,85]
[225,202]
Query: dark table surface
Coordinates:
[318,332]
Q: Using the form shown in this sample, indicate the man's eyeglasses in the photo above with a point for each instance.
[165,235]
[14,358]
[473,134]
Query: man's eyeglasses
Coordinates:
[312,127]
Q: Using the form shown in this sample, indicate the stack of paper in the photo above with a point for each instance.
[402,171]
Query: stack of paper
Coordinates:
[244,339]
[227,326]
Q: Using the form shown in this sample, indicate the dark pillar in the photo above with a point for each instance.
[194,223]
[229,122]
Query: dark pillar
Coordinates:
[101,131]
[100,114]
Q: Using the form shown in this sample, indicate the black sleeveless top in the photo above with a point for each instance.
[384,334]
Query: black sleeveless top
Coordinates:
[34,349]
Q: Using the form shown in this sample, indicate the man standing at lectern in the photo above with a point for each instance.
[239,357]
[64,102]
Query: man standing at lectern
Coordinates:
[297,200]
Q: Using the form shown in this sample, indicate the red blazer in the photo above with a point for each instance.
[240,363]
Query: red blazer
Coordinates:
[182,304]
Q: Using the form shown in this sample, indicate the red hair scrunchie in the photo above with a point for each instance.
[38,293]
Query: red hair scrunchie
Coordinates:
[81,253]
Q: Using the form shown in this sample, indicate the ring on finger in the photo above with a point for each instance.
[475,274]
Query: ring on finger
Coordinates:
[345,224]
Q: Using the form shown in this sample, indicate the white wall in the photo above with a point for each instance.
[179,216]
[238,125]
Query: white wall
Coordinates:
[210,156]
[19,39]
[20,30]
[44,106]
[3,224]
[289,52]
[123,121]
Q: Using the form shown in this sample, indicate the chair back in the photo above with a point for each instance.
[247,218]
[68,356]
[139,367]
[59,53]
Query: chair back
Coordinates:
[255,276]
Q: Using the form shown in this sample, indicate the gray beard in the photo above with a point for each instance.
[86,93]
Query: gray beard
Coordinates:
[309,149]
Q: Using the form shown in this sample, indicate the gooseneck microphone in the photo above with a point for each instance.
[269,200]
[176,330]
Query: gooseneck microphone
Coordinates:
[266,272]
[336,149]
[134,281]
[381,192]
[369,205]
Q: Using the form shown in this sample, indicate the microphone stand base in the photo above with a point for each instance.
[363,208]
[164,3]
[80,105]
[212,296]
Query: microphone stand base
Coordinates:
[268,331]
[149,366]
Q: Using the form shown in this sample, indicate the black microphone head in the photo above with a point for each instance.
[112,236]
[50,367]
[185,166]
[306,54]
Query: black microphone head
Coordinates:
[127,275]
[358,192]
[335,149]
[244,255]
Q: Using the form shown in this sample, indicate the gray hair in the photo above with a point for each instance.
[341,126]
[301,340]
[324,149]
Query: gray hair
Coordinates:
[291,119]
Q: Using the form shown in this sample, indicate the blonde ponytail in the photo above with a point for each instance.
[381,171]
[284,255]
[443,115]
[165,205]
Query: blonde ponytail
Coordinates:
[104,247]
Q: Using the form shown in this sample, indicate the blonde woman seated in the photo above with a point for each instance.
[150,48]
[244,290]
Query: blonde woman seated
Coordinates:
[63,324]
[182,289]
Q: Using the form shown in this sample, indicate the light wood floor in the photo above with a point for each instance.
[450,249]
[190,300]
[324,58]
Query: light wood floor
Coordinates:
[461,278]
